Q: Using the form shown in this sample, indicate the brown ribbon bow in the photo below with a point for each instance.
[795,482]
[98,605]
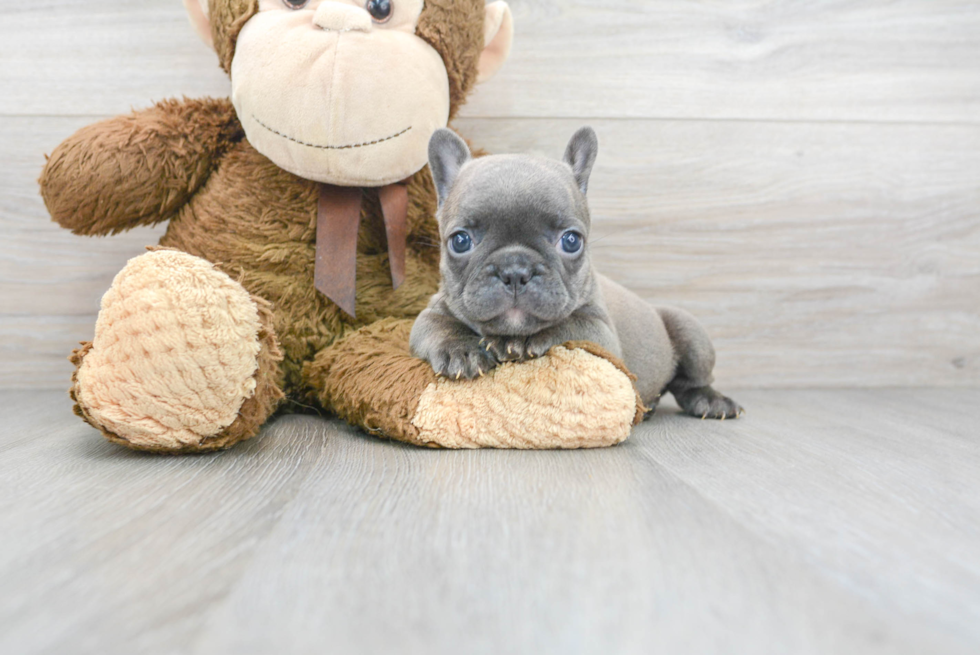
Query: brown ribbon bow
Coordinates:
[338,217]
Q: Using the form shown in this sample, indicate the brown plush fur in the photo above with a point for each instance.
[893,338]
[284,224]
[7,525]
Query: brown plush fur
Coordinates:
[137,169]
[370,380]
[258,224]
[455,29]
[228,17]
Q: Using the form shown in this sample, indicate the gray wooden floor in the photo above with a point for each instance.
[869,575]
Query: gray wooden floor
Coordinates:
[824,521]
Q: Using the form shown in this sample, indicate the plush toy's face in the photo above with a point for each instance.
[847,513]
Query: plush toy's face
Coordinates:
[348,92]
[330,92]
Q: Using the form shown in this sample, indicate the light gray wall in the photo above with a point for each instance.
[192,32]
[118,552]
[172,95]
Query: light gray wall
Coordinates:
[805,177]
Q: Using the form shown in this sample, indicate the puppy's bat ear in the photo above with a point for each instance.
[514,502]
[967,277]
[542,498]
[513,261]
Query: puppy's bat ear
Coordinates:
[580,155]
[447,154]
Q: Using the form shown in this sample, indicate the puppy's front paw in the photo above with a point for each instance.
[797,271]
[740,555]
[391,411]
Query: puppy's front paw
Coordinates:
[462,358]
[539,344]
[505,349]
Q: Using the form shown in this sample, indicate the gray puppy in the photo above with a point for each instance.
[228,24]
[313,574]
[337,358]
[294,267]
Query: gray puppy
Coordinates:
[517,279]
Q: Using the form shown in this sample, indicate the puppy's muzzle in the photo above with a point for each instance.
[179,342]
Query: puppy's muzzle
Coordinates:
[515,277]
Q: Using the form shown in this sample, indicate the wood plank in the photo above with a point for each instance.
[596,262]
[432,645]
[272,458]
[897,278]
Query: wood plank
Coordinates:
[72,57]
[887,475]
[541,552]
[875,60]
[910,60]
[103,546]
[827,521]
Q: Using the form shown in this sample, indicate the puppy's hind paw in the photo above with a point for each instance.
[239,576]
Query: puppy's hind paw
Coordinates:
[705,402]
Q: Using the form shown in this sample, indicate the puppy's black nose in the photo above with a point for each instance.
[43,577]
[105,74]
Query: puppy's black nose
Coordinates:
[515,276]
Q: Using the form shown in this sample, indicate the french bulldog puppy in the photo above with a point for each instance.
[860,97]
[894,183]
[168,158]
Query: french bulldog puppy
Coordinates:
[517,279]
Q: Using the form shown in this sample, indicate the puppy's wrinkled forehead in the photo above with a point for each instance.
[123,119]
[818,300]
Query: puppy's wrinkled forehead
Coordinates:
[517,189]
[511,188]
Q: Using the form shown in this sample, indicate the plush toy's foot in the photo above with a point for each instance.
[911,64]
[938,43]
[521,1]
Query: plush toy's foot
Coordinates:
[705,402]
[576,396]
[183,359]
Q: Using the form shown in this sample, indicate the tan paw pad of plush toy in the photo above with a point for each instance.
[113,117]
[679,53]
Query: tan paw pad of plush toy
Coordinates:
[182,360]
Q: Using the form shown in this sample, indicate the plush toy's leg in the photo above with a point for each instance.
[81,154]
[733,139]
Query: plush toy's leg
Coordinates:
[691,384]
[576,396]
[183,359]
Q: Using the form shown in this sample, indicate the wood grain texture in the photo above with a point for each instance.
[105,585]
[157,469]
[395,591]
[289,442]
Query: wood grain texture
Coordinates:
[876,60]
[823,521]
[907,60]
[72,57]
[50,280]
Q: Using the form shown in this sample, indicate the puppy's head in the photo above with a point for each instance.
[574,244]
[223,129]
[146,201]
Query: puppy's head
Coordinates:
[514,232]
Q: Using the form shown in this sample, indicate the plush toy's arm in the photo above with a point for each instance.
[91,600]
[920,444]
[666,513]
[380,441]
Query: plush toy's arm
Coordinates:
[137,169]
[576,396]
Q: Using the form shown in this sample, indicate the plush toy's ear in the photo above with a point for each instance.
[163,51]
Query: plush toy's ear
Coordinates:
[580,155]
[498,34]
[197,11]
[447,154]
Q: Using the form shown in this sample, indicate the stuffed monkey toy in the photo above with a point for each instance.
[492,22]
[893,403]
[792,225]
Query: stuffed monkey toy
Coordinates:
[301,241]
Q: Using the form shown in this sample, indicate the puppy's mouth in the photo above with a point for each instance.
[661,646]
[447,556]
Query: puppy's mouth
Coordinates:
[515,319]
[501,310]
[318,146]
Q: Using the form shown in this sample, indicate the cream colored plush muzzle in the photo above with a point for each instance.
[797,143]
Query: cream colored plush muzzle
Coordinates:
[333,97]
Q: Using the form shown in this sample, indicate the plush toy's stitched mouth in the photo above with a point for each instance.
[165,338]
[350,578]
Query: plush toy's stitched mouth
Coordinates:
[321,147]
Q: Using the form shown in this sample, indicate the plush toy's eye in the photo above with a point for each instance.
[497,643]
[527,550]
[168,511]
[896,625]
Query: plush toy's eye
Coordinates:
[571,242]
[380,10]
[460,242]
[295,4]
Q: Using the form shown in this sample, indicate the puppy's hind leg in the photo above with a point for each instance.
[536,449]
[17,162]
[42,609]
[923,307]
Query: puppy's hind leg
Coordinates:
[695,356]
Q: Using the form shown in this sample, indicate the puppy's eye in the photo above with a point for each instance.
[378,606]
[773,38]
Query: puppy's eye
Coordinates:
[460,242]
[571,242]
[380,10]
[295,4]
